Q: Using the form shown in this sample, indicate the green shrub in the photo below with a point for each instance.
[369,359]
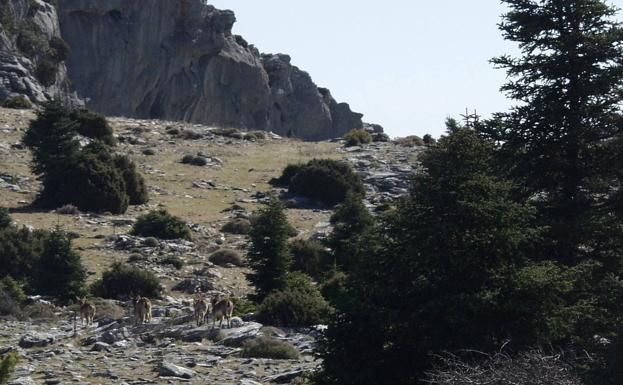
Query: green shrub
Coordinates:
[333,288]
[243,306]
[298,304]
[327,181]
[188,159]
[5,218]
[60,273]
[380,137]
[265,347]
[20,251]
[59,49]
[173,260]
[286,175]
[122,281]
[19,102]
[224,256]
[357,137]
[199,161]
[428,140]
[46,73]
[68,209]
[237,226]
[9,306]
[93,125]
[149,152]
[7,366]
[309,256]
[151,242]
[410,141]
[99,184]
[12,288]
[161,224]
[41,311]
[30,40]
[92,178]
[135,186]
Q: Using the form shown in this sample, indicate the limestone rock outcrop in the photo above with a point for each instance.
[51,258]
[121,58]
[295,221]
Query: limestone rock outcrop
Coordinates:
[32,52]
[179,60]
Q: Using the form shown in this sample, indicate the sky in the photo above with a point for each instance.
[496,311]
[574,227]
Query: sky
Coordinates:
[404,64]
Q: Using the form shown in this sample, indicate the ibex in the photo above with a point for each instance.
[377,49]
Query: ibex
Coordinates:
[223,308]
[142,310]
[201,306]
[87,311]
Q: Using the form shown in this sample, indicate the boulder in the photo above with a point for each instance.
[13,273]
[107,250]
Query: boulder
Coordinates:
[168,369]
[36,341]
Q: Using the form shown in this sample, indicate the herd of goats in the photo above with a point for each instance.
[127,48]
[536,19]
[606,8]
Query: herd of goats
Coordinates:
[222,309]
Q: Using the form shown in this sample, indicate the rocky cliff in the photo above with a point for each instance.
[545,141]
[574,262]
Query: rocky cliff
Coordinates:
[32,52]
[178,60]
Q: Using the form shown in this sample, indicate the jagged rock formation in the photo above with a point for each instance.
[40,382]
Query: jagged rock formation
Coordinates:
[178,60]
[32,52]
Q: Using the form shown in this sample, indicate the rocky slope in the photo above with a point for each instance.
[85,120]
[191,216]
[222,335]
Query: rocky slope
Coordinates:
[232,184]
[31,64]
[179,60]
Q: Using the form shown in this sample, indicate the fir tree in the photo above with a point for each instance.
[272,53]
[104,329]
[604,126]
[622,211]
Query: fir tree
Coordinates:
[269,253]
[561,140]
[432,276]
[350,221]
[60,271]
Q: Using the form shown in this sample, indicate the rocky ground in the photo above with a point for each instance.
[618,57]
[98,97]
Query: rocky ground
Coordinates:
[232,184]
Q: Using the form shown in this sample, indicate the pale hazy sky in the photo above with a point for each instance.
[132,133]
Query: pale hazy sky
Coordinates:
[405,64]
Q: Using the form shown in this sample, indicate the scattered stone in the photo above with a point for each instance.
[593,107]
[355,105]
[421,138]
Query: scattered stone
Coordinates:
[168,369]
[38,341]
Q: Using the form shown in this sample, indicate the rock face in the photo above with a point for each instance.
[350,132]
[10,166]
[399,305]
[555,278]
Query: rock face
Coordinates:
[31,61]
[178,60]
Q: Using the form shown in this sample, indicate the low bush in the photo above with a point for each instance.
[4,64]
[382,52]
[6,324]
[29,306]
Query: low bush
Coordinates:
[225,256]
[93,125]
[309,256]
[243,306]
[174,261]
[10,286]
[380,137]
[286,175]
[9,306]
[7,366]
[237,226]
[428,140]
[41,311]
[19,102]
[149,152]
[5,218]
[59,49]
[161,224]
[327,181]
[199,161]
[265,347]
[333,288]
[409,141]
[107,309]
[357,137]
[20,251]
[46,73]
[151,242]
[68,209]
[31,41]
[122,281]
[298,304]
[92,177]
[190,134]
[195,160]
[534,367]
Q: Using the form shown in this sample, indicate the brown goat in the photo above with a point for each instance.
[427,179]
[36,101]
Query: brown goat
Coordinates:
[222,309]
[142,310]
[201,306]
[87,311]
